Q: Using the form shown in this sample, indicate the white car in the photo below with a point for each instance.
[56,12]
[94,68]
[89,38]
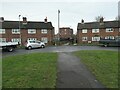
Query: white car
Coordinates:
[34,44]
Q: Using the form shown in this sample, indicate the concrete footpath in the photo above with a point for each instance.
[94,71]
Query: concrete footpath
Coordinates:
[74,74]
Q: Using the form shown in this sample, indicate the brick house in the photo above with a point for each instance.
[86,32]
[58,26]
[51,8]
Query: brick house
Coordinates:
[20,31]
[66,32]
[92,32]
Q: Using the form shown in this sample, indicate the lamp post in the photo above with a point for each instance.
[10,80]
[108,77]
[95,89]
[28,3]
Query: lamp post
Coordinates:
[20,31]
[59,26]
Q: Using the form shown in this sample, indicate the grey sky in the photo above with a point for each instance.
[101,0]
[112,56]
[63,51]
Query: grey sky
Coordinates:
[71,12]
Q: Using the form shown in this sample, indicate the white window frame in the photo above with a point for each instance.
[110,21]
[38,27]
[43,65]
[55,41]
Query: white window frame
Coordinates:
[2,31]
[44,31]
[95,30]
[16,40]
[31,31]
[84,30]
[109,29]
[95,38]
[2,39]
[109,37]
[44,39]
[32,39]
[84,38]
[15,31]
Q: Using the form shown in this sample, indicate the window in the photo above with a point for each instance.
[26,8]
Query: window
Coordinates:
[31,31]
[119,29]
[44,39]
[95,38]
[2,39]
[44,31]
[84,38]
[109,37]
[16,40]
[15,31]
[2,31]
[84,30]
[32,39]
[109,29]
[95,30]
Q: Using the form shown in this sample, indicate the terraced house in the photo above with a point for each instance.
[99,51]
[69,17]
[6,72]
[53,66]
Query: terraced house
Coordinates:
[92,32]
[20,31]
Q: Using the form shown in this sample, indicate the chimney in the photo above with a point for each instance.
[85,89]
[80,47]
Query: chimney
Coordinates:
[101,20]
[45,20]
[82,21]
[24,20]
[1,19]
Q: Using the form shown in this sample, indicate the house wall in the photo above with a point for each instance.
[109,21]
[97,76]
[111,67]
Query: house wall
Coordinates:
[24,35]
[102,34]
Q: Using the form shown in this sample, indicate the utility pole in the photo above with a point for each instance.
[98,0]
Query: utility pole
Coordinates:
[20,31]
[59,26]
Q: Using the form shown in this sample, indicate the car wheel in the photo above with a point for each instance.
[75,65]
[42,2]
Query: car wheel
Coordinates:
[10,49]
[42,46]
[106,45]
[29,48]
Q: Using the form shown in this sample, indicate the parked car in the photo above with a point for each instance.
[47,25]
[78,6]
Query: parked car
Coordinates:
[30,44]
[110,42]
[9,46]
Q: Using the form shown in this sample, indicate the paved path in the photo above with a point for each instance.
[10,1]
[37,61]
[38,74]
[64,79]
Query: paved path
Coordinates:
[73,74]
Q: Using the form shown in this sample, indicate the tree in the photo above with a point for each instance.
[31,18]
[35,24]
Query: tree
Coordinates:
[117,18]
[98,18]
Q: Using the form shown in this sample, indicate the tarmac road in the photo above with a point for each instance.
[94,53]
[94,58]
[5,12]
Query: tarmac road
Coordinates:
[58,49]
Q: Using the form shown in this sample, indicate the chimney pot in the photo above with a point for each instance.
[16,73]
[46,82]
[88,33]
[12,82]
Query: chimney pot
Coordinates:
[24,19]
[82,21]
[45,20]
[1,19]
[101,20]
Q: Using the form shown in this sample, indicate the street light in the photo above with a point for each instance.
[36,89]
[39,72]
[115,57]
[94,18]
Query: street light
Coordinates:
[20,31]
[59,26]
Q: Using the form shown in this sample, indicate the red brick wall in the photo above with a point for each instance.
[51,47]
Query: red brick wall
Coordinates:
[24,34]
[102,33]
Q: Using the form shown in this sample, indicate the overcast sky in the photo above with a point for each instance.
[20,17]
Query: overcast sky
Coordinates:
[71,11]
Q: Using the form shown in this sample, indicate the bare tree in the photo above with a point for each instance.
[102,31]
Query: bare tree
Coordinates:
[117,18]
[98,18]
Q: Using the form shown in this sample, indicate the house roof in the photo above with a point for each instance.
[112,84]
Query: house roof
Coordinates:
[106,24]
[29,25]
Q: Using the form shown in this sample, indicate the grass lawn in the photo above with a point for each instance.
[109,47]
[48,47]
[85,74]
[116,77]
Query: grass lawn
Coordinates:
[36,70]
[103,64]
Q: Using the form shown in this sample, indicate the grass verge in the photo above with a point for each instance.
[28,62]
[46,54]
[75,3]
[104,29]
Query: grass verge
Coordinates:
[36,70]
[103,64]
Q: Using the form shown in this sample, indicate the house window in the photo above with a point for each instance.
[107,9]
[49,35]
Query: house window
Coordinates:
[31,31]
[109,37]
[15,31]
[95,30]
[32,39]
[16,40]
[84,38]
[84,30]
[2,39]
[44,31]
[109,29]
[44,39]
[119,29]
[2,31]
[95,38]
